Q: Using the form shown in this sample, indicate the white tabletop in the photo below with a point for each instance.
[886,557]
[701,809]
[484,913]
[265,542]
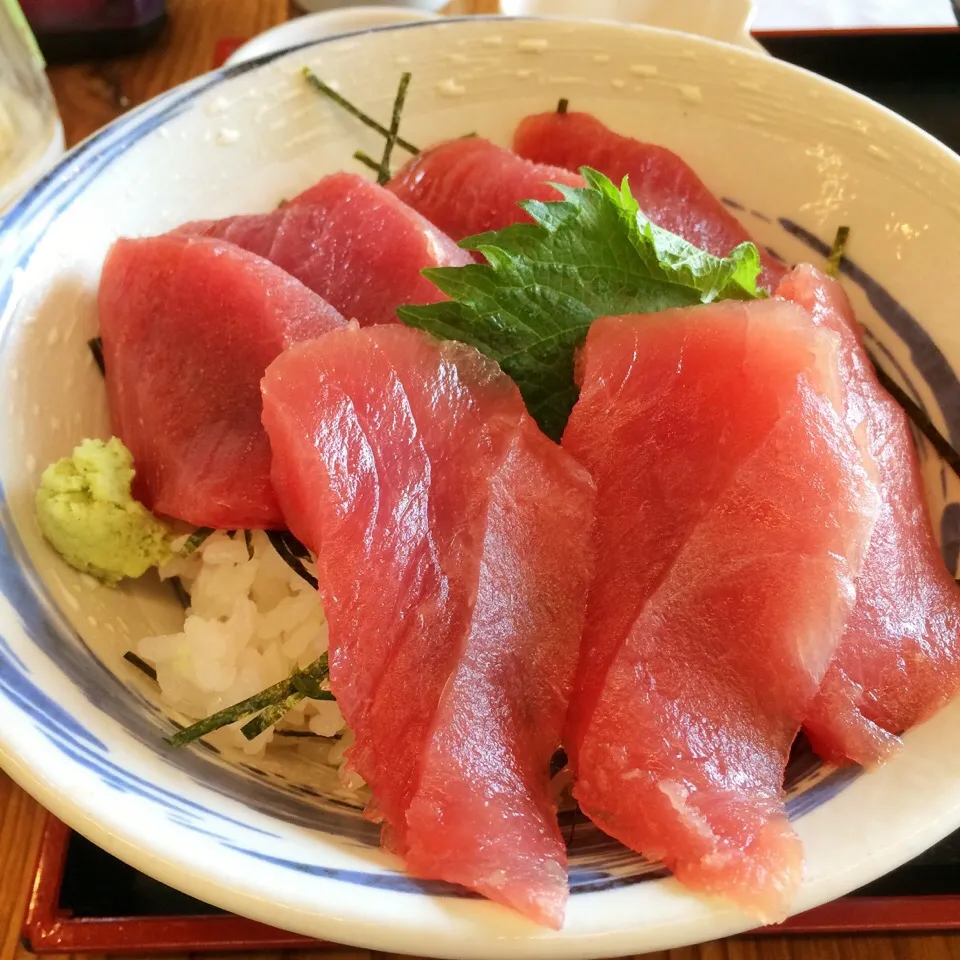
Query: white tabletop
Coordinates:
[813,14]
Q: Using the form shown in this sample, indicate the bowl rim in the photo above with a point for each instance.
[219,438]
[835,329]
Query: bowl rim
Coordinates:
[704,922]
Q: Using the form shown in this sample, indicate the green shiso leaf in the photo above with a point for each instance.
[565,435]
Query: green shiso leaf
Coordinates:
[591,254]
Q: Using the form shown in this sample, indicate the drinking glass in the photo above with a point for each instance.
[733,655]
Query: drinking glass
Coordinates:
[31,135]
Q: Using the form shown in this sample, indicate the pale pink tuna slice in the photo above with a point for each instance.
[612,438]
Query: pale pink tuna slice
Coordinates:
[734,508]
[188,327]
[471,185]
[453,544]
[350,241]
[668,190]
[899,659]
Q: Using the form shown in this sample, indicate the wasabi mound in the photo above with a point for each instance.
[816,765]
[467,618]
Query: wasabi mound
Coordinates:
[87,512]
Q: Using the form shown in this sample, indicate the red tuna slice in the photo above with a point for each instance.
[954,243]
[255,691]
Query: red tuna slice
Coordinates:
[453,545]
[899,659]
[188,327]
[668,190]
[351,242]
[742,374]
[733,509]
[471,185]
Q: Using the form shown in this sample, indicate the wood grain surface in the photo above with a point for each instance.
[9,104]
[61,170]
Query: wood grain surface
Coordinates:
[91,95]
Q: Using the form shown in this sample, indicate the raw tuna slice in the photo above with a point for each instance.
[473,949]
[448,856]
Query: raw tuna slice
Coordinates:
[667,189]
[188,327]
[899,659]
[351,242]
[453,542]
[471,185]
[733,508]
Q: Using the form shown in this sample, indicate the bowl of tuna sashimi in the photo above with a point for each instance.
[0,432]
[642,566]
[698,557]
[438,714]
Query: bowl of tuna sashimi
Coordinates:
[464,504]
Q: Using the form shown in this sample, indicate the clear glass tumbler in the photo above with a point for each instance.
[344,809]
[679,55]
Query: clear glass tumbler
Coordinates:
[31,135]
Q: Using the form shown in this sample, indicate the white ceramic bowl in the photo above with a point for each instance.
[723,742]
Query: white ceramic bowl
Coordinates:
[327,23]
[79,729]
[727,20]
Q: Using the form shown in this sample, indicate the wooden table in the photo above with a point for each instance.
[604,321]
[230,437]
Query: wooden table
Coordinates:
[92,95]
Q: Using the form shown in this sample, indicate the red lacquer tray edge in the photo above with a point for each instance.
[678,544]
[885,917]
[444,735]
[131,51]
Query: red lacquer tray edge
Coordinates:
[827,32]
[48,929]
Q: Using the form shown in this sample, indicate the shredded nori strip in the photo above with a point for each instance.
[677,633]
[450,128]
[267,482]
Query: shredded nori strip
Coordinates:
[365,118]
[141,665]
[367,160]
[288,553]
[195,540]
[270,697]
[919,417]
[294,545]
[309,686]
[223,718]
[558,761]
[383,176]
[96,348]
[270,717]
[837,251]
[562,105]
[181,592]
[248,540]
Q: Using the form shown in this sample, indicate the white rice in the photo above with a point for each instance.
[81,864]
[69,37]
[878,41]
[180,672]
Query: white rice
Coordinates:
[251,621]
